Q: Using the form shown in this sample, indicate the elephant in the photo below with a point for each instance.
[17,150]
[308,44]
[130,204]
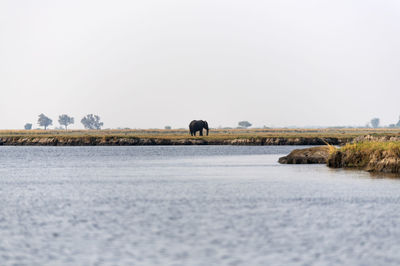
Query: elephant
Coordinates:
[198,125]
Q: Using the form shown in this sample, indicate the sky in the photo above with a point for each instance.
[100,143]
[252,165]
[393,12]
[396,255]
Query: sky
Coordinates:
[153,63]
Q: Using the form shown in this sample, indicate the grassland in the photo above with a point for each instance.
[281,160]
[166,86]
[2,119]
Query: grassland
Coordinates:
[214,133]
[371,147]
[372,156]
[279,136]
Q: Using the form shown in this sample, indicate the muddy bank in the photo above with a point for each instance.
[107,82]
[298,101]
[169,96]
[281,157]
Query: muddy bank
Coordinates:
[133,141]
[371,153]
[384,161]
[372,156]
[314,155]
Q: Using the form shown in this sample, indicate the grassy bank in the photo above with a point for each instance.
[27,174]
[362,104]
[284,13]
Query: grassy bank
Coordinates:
[214,133]
[182,137]
[371,156]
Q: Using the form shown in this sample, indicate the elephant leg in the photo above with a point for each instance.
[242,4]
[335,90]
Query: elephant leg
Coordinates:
[201,132]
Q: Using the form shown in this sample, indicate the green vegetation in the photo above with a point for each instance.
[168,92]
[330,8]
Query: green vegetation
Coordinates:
[372,156]
[244,124]
[44,121]
[28,126]
[375,122]
[91,121]
[65,120]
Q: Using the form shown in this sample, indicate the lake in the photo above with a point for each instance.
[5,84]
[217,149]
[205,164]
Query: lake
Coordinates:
[191,205]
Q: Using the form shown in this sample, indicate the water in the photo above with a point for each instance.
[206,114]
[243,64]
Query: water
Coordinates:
[193,205]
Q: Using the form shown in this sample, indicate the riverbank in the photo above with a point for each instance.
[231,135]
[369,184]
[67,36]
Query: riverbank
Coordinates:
[136,141]
[371,156]
[131,137]
[313,155]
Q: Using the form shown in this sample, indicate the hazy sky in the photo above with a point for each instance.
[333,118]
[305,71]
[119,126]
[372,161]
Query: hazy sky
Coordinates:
[147,64]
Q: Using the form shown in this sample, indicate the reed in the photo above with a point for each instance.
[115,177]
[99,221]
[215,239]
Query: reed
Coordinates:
[372,156]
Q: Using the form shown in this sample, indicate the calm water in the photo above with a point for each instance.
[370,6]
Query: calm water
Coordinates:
[194,205]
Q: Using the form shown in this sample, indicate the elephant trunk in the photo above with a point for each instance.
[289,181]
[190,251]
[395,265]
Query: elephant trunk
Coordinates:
[206,126]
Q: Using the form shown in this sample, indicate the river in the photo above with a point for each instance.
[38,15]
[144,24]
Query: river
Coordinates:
[191,205]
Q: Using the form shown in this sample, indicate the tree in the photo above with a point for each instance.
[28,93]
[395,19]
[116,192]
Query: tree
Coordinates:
[28,126]
[92,122]
[65,120]
[167,127]
[245,124]
[398,123]
[44,121]
[375,122]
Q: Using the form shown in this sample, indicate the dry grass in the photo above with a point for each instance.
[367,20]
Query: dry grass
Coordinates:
[372,156]
[392,147]
[331,148]
[214,133]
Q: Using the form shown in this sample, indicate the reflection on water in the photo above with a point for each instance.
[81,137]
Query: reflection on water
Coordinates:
[195,205]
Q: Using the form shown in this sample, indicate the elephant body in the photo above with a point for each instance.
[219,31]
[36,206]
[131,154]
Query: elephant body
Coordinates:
[198,125]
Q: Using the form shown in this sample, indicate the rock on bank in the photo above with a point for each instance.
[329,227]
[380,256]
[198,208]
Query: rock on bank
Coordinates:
[314,155]
[384,161]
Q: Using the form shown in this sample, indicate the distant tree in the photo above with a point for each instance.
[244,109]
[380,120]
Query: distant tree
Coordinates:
[92,122]
[167,127]
[65,120]
[244,124]
[392,125]
[398,123]
[28,126]
[44,121]
[375,122]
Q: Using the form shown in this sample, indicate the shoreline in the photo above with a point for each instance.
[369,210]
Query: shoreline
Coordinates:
[369,153]
[153,137]
[150,141]
[373,156]
[374,153]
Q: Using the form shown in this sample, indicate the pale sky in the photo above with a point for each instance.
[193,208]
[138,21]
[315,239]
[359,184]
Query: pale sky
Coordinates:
[152,63]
